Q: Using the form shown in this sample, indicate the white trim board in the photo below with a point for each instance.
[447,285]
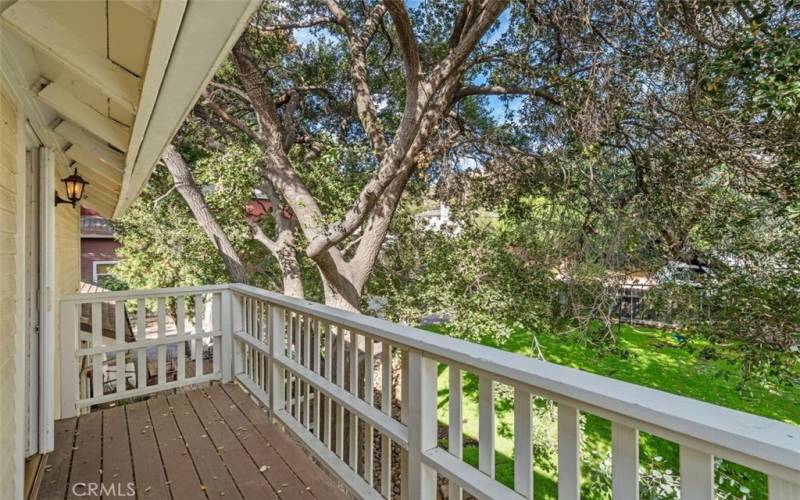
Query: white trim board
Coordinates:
[207,33]
[47,306]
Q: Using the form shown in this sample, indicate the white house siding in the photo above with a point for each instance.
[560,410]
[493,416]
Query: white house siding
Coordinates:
[12,422]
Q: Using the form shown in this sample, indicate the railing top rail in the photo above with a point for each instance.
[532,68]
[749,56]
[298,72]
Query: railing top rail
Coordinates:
[745,435]
[85,298]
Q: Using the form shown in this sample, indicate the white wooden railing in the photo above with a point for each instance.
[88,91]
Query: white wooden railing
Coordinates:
[315,367]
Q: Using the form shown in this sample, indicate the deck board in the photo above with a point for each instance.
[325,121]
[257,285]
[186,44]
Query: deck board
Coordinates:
[151,481]
[198,444]
[117,463]
[217,481]
[276,470]
[178,466]
[56,471]
[306,469]
[245,474]
[86,456]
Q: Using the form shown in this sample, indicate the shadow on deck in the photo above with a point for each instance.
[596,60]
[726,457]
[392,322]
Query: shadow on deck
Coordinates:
[213,442]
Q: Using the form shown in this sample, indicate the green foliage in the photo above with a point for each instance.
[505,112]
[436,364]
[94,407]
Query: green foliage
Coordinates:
[472,276]
[162,243]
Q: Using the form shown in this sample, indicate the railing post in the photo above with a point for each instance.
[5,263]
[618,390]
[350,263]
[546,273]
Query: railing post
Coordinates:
[227,336]
[69,365]
[237,325]
[216,326]
[277,347]
[421,425]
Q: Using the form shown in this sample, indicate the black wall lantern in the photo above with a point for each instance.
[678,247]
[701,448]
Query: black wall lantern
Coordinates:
[75,186]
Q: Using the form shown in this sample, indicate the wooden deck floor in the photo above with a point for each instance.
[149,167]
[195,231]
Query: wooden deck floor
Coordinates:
[211,443]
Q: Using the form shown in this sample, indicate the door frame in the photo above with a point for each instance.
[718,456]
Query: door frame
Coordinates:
[31,298]
[47,309]
[39,251]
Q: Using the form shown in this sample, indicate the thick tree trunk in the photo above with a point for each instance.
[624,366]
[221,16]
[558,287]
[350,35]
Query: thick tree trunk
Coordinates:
[340,289]
[291,272]
[184,183]
[340,293]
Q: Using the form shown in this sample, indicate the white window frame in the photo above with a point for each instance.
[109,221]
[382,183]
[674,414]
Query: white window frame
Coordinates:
[94,267]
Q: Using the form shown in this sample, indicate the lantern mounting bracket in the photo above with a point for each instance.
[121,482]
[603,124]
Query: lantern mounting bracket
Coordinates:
[60,200]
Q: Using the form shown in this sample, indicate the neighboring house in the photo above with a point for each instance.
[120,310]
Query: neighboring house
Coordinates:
[258,208]
[98,247]
[435,219]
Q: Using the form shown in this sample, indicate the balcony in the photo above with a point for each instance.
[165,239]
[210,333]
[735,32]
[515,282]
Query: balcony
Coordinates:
[330,380]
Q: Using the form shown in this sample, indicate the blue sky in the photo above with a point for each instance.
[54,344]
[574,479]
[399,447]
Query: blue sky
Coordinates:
[500,110]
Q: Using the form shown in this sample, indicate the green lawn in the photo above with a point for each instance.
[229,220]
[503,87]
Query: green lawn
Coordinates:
[652,358]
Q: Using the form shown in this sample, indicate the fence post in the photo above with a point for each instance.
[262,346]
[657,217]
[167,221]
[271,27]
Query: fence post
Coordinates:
[277,347]
[69,365]
[421,424]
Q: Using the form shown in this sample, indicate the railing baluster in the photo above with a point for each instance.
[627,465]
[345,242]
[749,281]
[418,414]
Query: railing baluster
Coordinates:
[162,332]
[246,330]
[141,334]
[119,339]
[329,377]
[298,342]
[624,461]
[340,383]
[252,330]
[405,419]
[369,382]
[386,407]
[198,330]
[318,370]
[486,423]
[780,489]
[353,427]
[569,468]
[97,341]
[255,332]
[277,347]
[422,425]
[523,444]
[307,364]
[262,315]
[268,377]
[697,474]
[180,323]
[455,433]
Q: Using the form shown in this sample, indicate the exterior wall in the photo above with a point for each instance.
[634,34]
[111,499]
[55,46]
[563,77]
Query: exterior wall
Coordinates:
[12,288]
[12,189]
[93,250]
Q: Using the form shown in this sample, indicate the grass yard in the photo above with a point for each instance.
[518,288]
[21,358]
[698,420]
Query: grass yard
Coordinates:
[652,358]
